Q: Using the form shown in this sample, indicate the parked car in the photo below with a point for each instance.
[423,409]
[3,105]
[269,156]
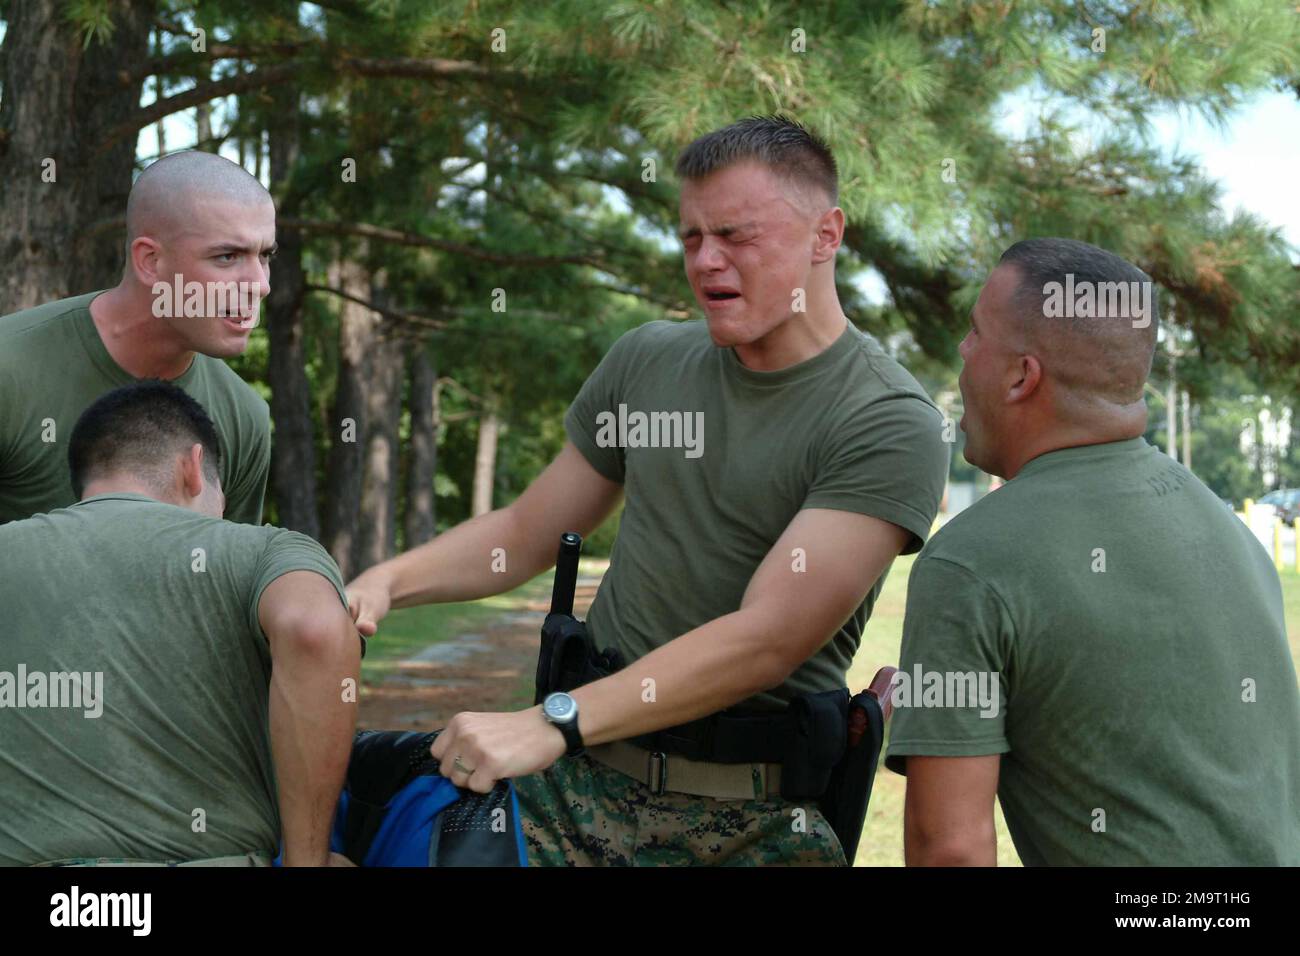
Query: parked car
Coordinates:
[1285,503]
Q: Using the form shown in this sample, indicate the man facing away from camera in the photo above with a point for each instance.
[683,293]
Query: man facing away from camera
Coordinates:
[752,546]
[174,687]
[1144,707]
[200,234]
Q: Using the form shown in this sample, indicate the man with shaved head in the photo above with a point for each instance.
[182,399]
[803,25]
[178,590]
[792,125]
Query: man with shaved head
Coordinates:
[1099,643]
[200,235]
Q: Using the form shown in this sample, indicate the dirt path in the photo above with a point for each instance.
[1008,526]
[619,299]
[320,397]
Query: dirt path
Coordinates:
[489,670]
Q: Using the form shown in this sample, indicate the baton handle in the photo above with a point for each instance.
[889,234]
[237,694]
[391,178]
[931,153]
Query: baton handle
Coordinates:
[566,573]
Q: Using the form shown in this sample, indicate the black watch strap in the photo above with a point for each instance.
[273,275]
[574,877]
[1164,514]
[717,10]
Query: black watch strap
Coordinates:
[572,737]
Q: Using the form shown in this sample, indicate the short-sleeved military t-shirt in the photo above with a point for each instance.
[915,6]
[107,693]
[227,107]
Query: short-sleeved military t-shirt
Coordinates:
[716,459]
[134,681]
[53,365]
[1117,634]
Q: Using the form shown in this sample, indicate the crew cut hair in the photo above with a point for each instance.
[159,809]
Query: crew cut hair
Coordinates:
[138,429]
[1041,262]
[783,145]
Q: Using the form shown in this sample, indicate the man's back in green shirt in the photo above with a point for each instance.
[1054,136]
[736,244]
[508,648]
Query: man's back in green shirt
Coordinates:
[53,365]
[1148,712]
[170,758]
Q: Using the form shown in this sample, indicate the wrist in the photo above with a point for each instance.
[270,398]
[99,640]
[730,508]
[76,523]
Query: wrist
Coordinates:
[560,710]
[379,578]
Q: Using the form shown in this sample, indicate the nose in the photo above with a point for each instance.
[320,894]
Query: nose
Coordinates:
[260,280]
[709,256]
[965,346]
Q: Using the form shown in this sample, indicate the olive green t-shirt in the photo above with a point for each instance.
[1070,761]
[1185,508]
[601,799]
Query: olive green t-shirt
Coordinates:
[848,429]
[170,758]
[1147,709]
[53,365]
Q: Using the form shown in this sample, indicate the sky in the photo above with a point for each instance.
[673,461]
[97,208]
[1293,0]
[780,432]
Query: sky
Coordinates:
[1254,156]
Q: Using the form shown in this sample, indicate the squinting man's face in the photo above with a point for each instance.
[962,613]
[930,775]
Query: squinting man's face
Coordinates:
[222,242]
[748,245]
[989,361]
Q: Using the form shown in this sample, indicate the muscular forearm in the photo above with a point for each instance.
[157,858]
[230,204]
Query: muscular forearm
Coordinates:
[312,725]
[710,668]
[482,557]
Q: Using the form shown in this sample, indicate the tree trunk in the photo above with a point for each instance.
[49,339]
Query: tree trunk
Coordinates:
[1171,406]
[348,419]
[160,128]
[293,453]
[422,457]
[59,101]
[203,131]
[377,540]
[485,459]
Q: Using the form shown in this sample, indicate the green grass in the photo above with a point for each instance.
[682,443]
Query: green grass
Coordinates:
[407,631]
[1291,604]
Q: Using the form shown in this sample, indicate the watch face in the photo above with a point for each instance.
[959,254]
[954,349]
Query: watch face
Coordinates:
[560,707]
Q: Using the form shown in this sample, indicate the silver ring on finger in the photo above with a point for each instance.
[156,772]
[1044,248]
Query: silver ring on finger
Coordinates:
[460,765]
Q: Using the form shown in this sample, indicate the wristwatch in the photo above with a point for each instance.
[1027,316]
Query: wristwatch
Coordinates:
[562,710]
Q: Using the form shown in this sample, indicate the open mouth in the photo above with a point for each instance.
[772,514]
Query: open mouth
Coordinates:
[240,321]
[721,296]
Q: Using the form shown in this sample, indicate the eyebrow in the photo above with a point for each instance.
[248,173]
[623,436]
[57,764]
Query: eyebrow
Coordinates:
[723,231]
[227,248]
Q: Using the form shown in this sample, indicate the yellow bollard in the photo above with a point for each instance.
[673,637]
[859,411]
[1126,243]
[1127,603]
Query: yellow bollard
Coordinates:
[1296,525]
[1246,506]
[1277,544]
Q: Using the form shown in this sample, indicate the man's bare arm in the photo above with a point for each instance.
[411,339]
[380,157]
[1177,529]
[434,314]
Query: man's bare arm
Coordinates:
[785,617]
[948,814]
[314,648]
[569,495]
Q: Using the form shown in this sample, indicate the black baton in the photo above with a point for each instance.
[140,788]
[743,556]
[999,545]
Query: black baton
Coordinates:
[566,573]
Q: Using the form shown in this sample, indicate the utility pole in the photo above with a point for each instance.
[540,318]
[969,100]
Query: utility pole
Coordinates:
[1171,396]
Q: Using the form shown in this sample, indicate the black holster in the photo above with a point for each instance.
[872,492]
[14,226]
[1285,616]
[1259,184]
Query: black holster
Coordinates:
[844,804]
[568,657]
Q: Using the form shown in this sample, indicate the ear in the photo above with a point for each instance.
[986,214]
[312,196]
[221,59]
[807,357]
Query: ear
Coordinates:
[1029,372]
[144,260]
[829,235]
[192,471]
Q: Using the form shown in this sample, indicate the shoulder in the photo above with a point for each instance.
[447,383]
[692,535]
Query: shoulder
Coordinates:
[287,551]
[663,337]
[877,400]
[881,377]
[21,332]
[657,351]
[285,547]
[991,533]
[16,323]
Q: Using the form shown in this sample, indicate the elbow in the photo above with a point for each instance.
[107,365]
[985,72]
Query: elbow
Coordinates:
[315,636]
[780,649]
[967,848]
[770,667]
[945,854]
